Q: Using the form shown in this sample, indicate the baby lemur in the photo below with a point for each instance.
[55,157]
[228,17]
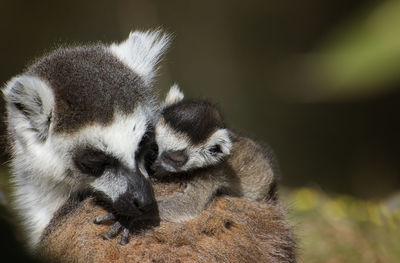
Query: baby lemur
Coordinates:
[194,143]
[195,148]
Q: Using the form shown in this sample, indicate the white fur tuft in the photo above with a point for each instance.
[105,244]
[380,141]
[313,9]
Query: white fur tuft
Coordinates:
[142,52]
[174,95]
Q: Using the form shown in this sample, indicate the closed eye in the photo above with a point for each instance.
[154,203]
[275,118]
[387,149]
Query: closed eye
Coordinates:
[93,162]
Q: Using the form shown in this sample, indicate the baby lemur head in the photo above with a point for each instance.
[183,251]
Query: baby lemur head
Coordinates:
[190,134]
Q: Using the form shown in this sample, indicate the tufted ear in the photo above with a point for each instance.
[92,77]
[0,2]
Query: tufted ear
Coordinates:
[30,104]
[142,51]
[174,95]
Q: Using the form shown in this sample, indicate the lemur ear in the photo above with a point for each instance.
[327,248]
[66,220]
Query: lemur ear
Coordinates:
[142,52]
[174,95]
[219,144]
[30,104]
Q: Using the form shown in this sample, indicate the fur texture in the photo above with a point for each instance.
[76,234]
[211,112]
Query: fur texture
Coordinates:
[179,116]
[71,102]
[142,52]
[174,95]
[84,80]
[230,230]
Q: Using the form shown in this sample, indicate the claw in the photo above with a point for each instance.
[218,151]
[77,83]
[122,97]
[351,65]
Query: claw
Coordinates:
[121,224]
[125,237]
[105,219]
[114,231]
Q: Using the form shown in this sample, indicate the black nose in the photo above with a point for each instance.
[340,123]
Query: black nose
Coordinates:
[175,158]
[144,200]
[138,198]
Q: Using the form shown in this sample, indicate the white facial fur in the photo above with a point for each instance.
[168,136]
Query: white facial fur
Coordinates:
[199,155]
[142,52]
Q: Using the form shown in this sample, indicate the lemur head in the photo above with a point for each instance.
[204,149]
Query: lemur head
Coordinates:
[77,120]
[190,134]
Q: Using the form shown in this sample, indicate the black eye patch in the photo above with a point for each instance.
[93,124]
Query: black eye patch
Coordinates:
[215,149]
[93,162]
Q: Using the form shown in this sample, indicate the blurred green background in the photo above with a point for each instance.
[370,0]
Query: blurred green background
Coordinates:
[317,80]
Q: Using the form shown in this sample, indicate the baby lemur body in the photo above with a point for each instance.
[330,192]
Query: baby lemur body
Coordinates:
[194,146]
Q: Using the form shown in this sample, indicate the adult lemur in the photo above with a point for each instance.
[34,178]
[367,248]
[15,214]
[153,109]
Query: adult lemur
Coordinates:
[76,120]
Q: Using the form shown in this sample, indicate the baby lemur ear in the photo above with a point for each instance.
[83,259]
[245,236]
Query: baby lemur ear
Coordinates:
[174,95]
[30,104]
[219,144]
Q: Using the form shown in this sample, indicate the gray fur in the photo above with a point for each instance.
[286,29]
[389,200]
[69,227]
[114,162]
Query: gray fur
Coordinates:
[85,79]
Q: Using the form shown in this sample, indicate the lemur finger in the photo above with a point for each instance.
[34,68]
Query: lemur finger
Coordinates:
[125,237]
[105,219]
[113,232]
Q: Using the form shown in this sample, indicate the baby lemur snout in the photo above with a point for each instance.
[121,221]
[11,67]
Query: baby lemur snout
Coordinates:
[176,159]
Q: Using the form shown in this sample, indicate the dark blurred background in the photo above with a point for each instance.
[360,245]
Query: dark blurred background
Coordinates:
[317,80]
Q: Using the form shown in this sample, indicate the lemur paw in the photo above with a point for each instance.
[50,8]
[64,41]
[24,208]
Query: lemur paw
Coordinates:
[122,224]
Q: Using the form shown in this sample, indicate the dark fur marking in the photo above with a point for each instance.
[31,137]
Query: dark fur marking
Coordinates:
[273,191]
[89,84]
[93,162]
[20,92]
[196,118]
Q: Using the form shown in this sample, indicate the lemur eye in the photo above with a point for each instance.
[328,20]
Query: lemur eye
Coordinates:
[215,149]
[93,162]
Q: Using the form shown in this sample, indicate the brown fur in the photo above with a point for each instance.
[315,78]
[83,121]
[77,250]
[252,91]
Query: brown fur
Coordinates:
[229,230]
[254,166]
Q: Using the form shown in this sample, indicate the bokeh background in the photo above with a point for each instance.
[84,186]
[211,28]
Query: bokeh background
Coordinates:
[319,81]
